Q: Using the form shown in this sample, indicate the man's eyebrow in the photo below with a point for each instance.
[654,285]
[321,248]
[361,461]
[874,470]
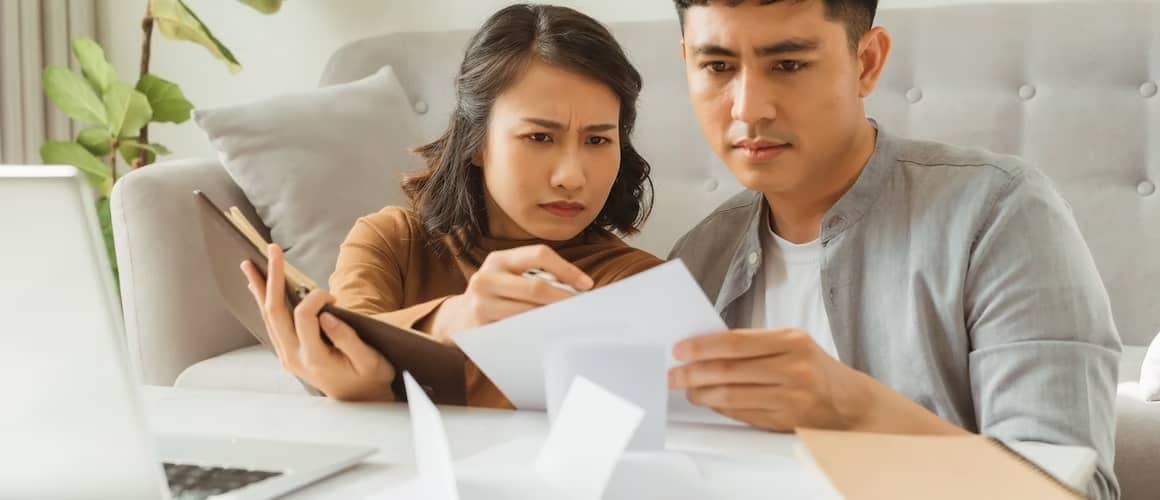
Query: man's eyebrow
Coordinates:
[555,125]
[787,46]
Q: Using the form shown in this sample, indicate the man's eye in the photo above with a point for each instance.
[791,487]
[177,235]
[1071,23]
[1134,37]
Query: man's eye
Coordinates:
[540,137]
[790,66]
[716,66]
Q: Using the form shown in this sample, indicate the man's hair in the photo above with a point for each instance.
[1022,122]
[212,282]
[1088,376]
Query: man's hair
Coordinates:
[448,194]
[857,15]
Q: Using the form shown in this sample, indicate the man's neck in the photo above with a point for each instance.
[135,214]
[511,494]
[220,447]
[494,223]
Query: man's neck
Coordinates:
[797,217]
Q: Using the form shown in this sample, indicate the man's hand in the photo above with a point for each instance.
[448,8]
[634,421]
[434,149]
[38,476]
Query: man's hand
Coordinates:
[780,380]
[772,379]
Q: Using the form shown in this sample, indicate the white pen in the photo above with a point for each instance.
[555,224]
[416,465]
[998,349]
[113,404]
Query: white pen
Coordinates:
[550,278]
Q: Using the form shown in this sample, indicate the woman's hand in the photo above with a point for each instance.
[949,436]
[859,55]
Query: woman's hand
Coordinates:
[350,370]
[498,290]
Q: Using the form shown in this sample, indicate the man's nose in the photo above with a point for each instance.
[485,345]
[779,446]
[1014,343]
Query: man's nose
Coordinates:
[752,98]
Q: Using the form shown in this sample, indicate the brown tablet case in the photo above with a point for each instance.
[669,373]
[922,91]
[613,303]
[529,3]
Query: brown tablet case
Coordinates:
[436,366]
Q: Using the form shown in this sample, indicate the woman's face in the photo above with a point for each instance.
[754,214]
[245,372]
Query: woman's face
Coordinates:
[551,156]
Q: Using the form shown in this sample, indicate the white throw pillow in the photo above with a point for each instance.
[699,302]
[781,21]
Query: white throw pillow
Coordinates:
[314,162]
[1150,372]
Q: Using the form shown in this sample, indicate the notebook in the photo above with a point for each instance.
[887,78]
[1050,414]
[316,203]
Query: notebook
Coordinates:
[898,467]
[230,238]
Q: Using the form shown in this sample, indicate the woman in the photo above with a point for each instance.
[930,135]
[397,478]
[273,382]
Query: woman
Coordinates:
[535,171]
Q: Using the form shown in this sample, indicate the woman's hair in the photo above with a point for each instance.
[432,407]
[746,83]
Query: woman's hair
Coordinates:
[448,194]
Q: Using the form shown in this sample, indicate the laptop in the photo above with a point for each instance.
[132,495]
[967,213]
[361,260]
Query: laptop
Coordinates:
[71,421]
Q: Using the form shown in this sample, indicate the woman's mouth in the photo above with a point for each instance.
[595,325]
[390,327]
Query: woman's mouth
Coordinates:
[567,209]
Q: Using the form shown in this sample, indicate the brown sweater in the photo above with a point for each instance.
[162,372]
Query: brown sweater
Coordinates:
[387,269]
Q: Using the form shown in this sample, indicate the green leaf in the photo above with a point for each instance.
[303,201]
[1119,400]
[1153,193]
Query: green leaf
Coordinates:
[177,22]
[166,99]
[71,153]
[74,96]
[264,6]
[94,64]
[127,108]
[106,219]
[97,140]
[130,149]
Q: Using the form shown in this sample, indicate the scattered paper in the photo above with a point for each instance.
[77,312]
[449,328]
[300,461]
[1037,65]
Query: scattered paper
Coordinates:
[587,439]
[432,452]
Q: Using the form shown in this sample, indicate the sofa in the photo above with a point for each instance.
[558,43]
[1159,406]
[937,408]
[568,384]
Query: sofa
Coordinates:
[1072,87]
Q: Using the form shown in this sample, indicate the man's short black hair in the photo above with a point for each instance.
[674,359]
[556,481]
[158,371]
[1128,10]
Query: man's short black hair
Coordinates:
[857,15]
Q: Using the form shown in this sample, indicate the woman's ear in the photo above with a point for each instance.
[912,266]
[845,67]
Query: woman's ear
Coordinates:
[477,158]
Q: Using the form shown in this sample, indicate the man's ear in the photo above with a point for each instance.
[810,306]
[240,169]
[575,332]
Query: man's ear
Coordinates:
[873,51]
[684,56]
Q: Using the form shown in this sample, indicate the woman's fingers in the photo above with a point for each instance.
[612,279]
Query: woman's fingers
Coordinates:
[517,288]
[281,324]
[518,260]
[314,350]
[362,357]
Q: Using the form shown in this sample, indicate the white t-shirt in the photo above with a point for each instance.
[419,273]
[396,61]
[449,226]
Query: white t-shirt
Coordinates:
[788,290]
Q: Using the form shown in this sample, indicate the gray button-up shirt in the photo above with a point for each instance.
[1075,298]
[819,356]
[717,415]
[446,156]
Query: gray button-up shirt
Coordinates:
[958,278]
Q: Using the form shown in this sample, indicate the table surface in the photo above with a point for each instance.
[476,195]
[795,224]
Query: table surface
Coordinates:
[748,459]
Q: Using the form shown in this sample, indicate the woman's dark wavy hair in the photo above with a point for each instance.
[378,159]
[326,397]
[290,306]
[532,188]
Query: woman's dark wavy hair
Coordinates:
[448,194]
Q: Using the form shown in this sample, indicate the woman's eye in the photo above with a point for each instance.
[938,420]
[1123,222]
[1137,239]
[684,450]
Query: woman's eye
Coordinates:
[540,137]
[599,140]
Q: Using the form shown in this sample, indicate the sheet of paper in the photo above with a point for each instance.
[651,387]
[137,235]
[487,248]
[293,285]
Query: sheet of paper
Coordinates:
[663,305]
[587,440]
[432,452]
[630,369]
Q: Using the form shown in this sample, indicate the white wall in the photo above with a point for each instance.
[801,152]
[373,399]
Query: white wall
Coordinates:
[287,51]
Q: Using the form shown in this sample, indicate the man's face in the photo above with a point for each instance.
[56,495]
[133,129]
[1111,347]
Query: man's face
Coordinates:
[777,89]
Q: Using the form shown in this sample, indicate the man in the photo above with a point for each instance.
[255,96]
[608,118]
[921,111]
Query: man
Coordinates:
[877,283]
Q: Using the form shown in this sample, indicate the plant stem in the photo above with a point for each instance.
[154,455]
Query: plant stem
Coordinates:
[146,50]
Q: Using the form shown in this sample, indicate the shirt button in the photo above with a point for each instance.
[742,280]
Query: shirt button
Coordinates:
[421,107]
[711,185]
[836,221]
[1146,188]
[753,258]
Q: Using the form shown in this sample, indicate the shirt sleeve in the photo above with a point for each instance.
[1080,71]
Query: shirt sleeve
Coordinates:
[368,277]
[1044,346]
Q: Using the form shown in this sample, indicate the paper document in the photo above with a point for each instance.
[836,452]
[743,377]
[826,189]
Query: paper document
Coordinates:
[662,305]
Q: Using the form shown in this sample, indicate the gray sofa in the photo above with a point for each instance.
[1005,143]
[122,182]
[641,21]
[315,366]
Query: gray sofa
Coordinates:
[1071,87]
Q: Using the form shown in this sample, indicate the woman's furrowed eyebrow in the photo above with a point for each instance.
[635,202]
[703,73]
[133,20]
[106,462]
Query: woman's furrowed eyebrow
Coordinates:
[555,125]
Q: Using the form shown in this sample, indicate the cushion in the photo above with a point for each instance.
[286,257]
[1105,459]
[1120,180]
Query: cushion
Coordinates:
[1150,372]
[252,368]
[312,163]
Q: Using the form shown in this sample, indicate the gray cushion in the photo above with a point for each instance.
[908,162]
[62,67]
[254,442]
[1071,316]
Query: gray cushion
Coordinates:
[312,163]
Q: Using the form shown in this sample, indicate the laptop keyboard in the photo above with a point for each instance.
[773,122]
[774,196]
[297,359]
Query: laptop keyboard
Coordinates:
[194,482]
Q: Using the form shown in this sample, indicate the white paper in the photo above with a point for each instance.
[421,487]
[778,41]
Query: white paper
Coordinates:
[632,370]
[432,452]
[587,439]
[663,305]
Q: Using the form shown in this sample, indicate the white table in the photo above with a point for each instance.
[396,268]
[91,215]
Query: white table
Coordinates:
[755,461]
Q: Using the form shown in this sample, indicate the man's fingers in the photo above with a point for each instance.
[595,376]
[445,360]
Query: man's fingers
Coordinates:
[770,370]
[307,328]
[740,344]
[736,397]
[519,260]
[362,357]
[776,421]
